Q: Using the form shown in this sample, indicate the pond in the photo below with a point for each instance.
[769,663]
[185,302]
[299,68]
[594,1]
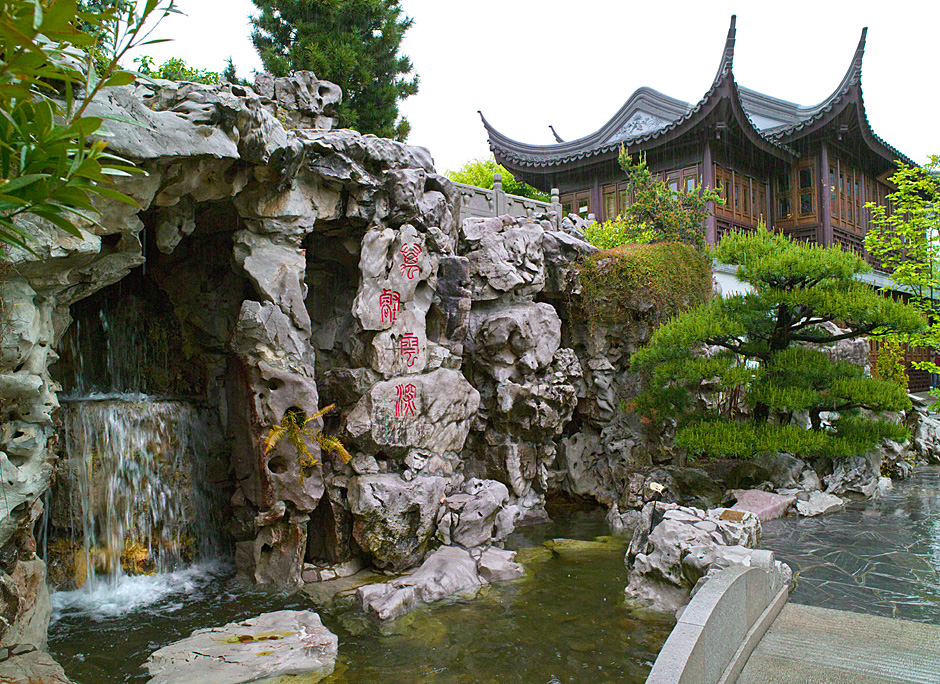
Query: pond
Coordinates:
[879,557]
[562,623]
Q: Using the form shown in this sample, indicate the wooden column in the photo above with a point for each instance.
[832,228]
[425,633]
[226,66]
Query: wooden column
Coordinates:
[824,232]
[597,201]
[708,180]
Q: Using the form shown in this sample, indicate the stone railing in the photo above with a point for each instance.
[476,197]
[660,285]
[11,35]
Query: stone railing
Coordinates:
[484,203]
[723,623]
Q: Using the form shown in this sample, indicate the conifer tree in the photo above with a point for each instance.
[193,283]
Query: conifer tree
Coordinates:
[765,347]
[353,43]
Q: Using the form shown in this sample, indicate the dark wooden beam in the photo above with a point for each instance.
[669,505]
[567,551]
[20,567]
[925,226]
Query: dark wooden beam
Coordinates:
[824,232]
[708,180]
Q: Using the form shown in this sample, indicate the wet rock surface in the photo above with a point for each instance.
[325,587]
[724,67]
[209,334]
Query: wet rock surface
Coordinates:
[285,642]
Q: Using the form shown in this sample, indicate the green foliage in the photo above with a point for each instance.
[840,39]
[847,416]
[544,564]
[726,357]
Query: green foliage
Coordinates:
[670,276]
[294,426]
[353,43]
[757,345]
[659,214]
[47,167]
[479,173]
[890,363]
[617,232]
[175,69]
[907,243]
[229,74]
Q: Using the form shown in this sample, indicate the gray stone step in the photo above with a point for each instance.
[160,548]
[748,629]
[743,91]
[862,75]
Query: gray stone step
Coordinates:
[807,645]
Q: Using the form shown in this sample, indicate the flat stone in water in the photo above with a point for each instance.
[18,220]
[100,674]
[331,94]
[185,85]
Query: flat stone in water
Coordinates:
[574,547]
[273,645]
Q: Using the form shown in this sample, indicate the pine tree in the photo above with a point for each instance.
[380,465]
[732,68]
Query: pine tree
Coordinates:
[353,43]
[764,346]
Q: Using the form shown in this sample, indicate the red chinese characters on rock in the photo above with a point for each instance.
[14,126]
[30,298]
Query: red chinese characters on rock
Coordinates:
[405,400]
[409,266]
[389,302]
[408,348]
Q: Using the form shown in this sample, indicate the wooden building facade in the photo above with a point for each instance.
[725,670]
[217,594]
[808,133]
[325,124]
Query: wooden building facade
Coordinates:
[806,171]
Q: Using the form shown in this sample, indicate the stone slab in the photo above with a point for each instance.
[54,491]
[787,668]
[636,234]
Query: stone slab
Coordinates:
[285,642]
[824,646]
[765,505]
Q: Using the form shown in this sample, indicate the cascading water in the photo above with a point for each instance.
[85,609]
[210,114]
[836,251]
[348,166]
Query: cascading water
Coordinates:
[135,476]
[131,494]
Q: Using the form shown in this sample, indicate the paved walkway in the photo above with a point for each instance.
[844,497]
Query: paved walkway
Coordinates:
[808,645]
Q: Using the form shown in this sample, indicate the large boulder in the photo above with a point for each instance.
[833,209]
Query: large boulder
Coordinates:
[476,514]
[674,546]
[514,340]
[287,642]
[449,570]
[505,256]
[394,520]
[431,411]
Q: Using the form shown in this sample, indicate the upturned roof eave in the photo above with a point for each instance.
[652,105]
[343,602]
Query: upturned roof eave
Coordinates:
[847,94]
[548,158]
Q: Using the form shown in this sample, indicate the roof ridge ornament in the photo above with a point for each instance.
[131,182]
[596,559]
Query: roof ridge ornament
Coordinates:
[727,56]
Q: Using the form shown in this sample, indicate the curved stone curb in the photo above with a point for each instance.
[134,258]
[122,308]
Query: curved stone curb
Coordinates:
[723,623]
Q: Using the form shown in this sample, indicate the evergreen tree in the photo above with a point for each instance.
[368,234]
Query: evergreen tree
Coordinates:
[764,346]
[353,43]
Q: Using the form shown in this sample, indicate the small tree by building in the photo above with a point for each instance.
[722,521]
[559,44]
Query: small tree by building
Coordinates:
[766,345]
[906,240]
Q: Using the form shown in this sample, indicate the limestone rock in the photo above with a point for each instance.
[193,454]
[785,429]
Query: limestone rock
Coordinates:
[498,565]
[514,340]
[286,642]
[28,665]
[505,258]
[449,570]
[562,253]
[394,520]
[674,546]
[819,503]
[857,474]
[926,435]
[24,604]
[468,517]
[431,411]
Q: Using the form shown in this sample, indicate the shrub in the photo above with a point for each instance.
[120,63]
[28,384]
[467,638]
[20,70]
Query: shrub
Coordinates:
[670,276]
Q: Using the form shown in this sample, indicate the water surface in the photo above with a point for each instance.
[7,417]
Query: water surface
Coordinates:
[562,623]
[879,557]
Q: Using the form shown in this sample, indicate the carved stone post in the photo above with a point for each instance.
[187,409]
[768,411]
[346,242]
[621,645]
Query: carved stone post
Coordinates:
[502,206]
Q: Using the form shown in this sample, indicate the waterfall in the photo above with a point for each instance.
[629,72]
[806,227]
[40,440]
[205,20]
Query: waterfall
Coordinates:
[135,493]
[131,495]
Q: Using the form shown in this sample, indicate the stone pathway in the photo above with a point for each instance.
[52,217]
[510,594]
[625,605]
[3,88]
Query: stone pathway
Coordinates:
[807,645]
[877,557]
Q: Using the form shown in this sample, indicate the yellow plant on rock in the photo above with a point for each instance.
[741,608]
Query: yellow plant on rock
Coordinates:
[294,427]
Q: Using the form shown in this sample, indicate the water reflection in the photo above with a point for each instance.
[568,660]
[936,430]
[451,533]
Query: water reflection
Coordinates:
[879,557]
[563,623]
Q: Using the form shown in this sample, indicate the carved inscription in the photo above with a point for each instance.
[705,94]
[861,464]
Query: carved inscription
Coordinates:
[409,266]
[389,302]
[405,400]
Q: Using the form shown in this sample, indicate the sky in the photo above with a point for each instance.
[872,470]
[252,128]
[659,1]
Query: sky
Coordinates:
[530,63]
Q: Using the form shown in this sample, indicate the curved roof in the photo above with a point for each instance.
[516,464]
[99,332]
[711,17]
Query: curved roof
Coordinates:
[650,118]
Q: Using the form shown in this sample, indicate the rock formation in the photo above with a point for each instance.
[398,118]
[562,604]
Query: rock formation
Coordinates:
[291,266]
[674,547]
[286,642]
